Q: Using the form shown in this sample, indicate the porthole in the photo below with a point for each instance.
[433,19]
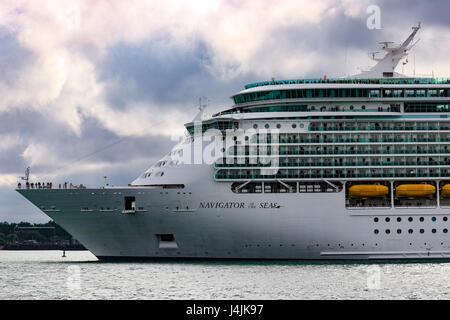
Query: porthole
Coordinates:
[267,126]
[399,219]
[363,107]
[421,219]
[387,219]
[294,126]
[302,125]
[433,230]
[388,231]
[445,230]
[445,218]
[375,219]
[410,219]
[422,231]
[278,126]
[410,231]
[399,231]
[351,107]
[255,126]
[376,231]
[433,219]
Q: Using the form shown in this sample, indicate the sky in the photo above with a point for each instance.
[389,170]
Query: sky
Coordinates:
[95,88]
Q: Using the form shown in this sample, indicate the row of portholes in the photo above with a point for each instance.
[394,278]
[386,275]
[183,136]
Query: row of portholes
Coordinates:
[267,126]
[410,219]
[317,245]
[410,231]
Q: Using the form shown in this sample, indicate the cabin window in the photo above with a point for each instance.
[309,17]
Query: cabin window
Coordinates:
[167,241]
[252,187]
[130,203]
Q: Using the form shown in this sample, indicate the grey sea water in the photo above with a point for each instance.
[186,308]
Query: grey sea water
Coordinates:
[47,275]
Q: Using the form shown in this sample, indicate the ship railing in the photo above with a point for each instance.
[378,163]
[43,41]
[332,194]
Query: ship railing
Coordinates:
[48,185]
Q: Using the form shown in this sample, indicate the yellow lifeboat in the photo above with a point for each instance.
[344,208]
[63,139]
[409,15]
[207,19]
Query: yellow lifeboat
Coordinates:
[415,190]
[445,191]
[368,191]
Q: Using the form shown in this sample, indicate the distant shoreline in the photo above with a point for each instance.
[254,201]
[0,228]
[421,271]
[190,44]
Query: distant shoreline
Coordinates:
[16,247]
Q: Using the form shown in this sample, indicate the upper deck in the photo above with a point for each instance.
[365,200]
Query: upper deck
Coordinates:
[376,81]
[335,89]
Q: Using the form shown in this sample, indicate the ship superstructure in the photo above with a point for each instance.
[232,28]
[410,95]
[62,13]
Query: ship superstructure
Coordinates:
[344,168]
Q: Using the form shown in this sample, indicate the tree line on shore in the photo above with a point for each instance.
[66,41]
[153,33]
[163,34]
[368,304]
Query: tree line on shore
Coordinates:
[24,231]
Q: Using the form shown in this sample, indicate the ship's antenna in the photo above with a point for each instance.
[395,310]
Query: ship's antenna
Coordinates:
[27,175]
[346,66]
[373,55]
[202,104]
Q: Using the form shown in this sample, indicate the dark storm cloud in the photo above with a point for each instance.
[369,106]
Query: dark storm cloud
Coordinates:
[13,58]
[159,72]
[430,13]
[167,75]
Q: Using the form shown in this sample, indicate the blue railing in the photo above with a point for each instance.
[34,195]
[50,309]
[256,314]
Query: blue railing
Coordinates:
[353,81]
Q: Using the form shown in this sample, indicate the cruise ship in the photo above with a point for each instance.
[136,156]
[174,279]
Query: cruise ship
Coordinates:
[327,168]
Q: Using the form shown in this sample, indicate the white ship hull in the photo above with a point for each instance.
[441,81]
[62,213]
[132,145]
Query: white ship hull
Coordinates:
[207,220]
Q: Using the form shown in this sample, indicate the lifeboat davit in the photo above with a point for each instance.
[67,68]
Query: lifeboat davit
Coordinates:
[445,191]
[368,191]
[415,190]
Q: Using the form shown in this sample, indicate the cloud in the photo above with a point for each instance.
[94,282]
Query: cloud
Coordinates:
[67,40]
[8,141]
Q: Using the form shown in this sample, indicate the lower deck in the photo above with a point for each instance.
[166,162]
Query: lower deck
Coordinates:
[212,222]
